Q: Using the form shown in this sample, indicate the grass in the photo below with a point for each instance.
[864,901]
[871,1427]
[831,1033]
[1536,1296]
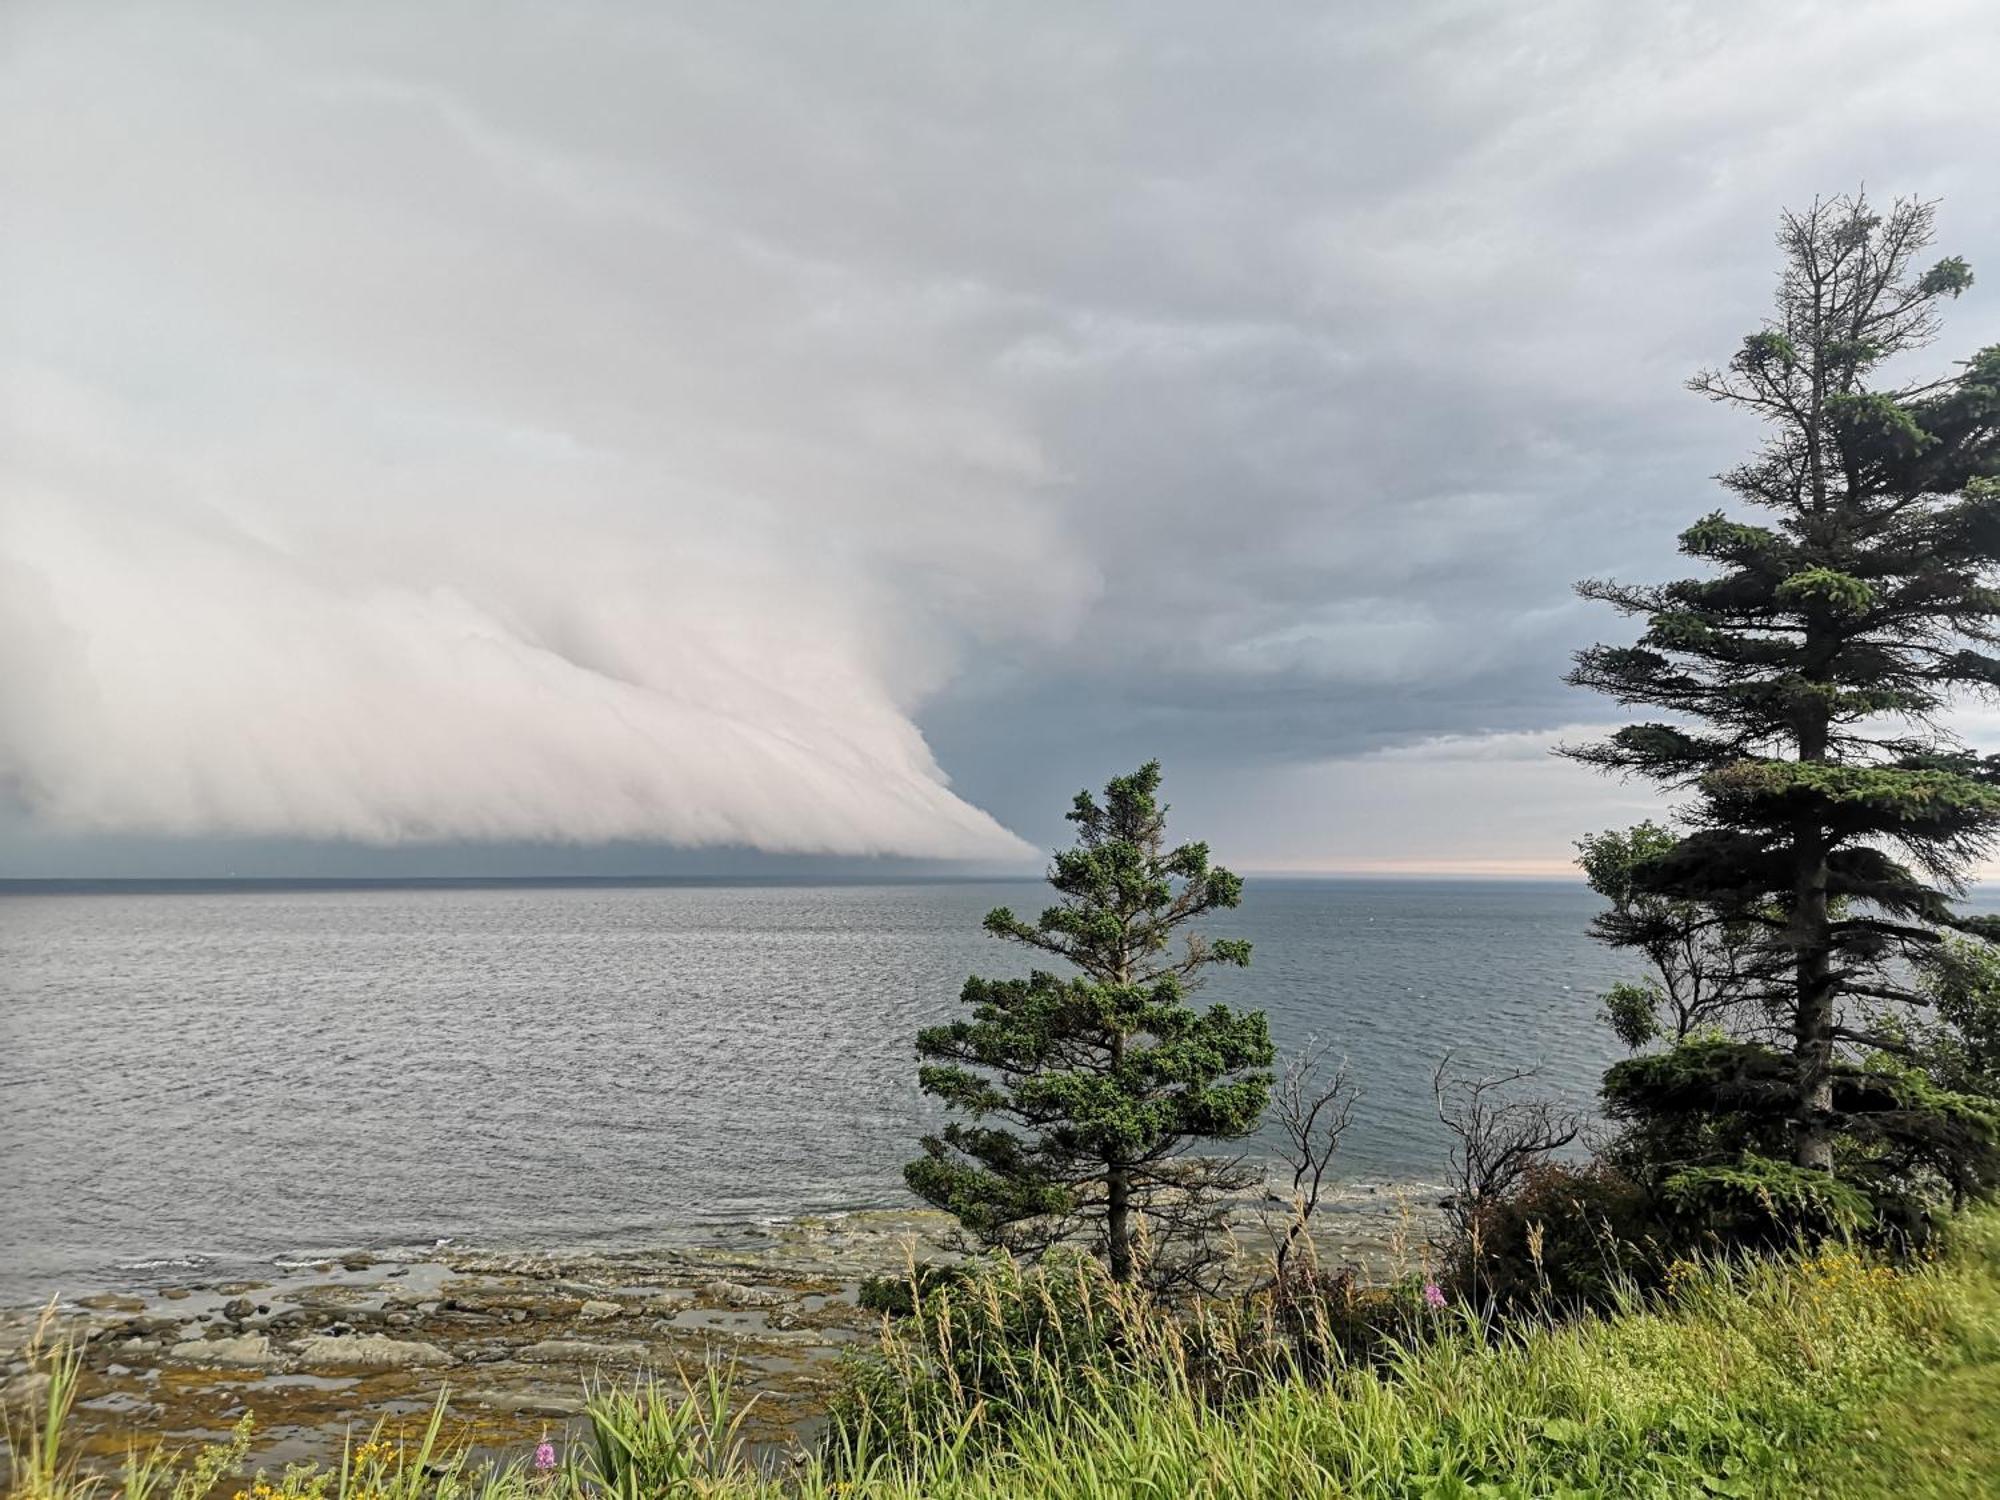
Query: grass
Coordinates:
[1933,1439]
[1820,1374]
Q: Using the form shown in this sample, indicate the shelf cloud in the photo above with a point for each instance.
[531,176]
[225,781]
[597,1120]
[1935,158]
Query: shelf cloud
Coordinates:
[846,431]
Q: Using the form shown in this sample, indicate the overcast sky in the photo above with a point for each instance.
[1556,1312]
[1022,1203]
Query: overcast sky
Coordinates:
[483,437]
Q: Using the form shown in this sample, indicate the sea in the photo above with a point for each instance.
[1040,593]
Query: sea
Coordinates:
[201,1077]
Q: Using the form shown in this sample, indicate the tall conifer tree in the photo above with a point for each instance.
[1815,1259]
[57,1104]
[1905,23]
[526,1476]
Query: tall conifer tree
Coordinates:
[1804,677]
[1101,1081]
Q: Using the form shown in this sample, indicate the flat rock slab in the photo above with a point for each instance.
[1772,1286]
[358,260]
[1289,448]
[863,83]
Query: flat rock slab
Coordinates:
[370,1351]
[526,1403]
[583,1352]
[736,1294]
[249,1350]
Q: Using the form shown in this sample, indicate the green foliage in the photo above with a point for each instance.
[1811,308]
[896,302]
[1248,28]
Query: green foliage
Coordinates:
[1755,1200]
[1102,1080]
[1960,1044]
[650,1441]
[1568,1238]
[1742,1378]
[900,1296]
[1802,680]
[1707,957]
[1706,1124]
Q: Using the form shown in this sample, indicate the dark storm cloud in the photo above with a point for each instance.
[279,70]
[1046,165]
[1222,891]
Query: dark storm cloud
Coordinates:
[778,395]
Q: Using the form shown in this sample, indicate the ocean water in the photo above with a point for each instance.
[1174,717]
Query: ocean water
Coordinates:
[216,1076]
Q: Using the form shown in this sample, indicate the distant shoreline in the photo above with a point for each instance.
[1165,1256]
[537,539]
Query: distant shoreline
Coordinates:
[221,884]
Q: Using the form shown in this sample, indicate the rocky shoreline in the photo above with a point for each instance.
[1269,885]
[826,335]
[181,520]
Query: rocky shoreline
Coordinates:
[511,1338]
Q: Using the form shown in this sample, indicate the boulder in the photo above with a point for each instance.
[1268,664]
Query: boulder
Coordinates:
[248,1350]
[594,1310]
[239,1309]
[370,1351]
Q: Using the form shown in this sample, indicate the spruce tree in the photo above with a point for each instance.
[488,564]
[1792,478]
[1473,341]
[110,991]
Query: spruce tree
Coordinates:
[1804,678]
[1085,1092]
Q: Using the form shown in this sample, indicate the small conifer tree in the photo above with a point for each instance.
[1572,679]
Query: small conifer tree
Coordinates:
[1083,1094]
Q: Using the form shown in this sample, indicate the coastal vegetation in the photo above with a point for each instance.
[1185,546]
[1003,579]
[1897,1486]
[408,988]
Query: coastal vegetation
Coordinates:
[1750,1376]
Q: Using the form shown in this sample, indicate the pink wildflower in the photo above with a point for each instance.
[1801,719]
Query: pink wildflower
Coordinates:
[1433,1295]
[545,1456]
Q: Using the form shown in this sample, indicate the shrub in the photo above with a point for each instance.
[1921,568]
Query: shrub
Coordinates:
[1566,1239]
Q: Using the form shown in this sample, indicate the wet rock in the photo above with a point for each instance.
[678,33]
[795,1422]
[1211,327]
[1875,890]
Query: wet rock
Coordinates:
[735,1294]
[123,1404]
[370,1351]
[111,1302]
[176,1294]
[360,1260]
[150,1326]
[593,1310]
[526,1403]
[582,1352]
[249,1350]
[239,1309]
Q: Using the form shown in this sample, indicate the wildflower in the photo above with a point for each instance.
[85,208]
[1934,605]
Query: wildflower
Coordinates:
[545,1456]
[1433,1295]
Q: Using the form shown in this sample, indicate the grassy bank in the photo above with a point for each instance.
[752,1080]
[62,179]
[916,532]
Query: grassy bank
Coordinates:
[1822,1374]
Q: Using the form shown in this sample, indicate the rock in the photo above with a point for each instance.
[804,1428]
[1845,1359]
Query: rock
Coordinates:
[594,1310]
[239,1309]
[28,1391]
[518,1315]
[252,1350]
[360,1260]
[400,1320]
[582,1352]
[175,1294]
[111,1302]
[487,1354]
[526,1403]
[735,1294]
[370,1351]
[150,1325]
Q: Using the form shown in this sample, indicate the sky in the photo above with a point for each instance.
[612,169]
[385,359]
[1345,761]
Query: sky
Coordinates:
[632,437]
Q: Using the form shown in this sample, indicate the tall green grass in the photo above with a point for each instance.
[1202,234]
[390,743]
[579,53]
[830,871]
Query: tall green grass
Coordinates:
[1736,1382]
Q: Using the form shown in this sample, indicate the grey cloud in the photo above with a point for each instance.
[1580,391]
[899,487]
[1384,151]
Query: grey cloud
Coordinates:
[715,424]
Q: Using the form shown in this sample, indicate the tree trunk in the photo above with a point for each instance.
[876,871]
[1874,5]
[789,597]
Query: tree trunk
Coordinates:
[1812,1021]
[1812,1027]
[1118,1221]
[1118,1176]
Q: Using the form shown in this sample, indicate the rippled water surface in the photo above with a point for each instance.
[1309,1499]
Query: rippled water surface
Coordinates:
[245,1072]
